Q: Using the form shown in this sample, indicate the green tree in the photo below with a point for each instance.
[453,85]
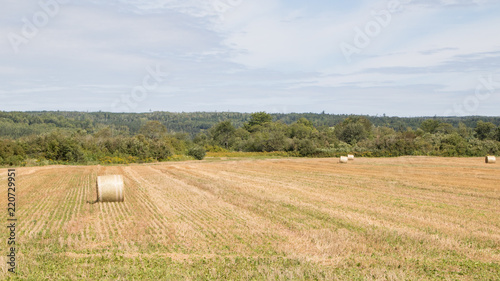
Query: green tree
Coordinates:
[353,130]
[274,136]
[197,152]
[485,130]
[445,128]
[306,147]
[153,130]
[303,121]
[104,133]
[352,133]
[224,134]
[160,150]
[453,145]
[301,129]
[463,130]
[430,125]
[138,146]
[257,119]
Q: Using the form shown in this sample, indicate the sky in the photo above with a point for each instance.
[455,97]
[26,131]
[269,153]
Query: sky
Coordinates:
[393,57]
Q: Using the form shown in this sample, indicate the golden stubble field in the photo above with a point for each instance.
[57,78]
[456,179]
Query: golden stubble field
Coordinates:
[409,218]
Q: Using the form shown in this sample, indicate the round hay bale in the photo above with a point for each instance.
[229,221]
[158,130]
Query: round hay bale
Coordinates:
[350,157]
[344,159]
[491,159]
[110,188]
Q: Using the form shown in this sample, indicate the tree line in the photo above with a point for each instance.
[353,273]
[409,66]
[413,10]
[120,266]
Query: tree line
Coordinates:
[355,134]
[15,125]
[87,138]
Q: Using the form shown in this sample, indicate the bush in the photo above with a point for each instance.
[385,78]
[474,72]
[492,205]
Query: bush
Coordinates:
[306,147]
[118,160]
[215,148]
[197,152]
[14,160]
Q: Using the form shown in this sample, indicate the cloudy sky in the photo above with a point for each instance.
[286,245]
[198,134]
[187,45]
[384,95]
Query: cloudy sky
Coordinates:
[404,58]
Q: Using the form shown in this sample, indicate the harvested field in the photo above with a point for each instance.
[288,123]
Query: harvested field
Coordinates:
[403,218]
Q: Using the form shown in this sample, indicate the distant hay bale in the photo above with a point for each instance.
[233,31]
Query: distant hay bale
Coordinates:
[110,188]
[350,157]
[344,159]
[491,159]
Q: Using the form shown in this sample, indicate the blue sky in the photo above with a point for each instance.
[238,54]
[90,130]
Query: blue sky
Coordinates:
[404,58]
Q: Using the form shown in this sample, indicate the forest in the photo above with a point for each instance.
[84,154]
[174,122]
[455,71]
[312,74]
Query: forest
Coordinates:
[42,138]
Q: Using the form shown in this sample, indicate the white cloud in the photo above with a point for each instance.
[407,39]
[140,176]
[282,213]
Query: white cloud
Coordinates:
[447,3]
[251,55]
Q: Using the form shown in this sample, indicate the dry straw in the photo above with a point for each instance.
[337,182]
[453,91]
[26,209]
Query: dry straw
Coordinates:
[344,159]
[350,157]
[110,188]
[491,159]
